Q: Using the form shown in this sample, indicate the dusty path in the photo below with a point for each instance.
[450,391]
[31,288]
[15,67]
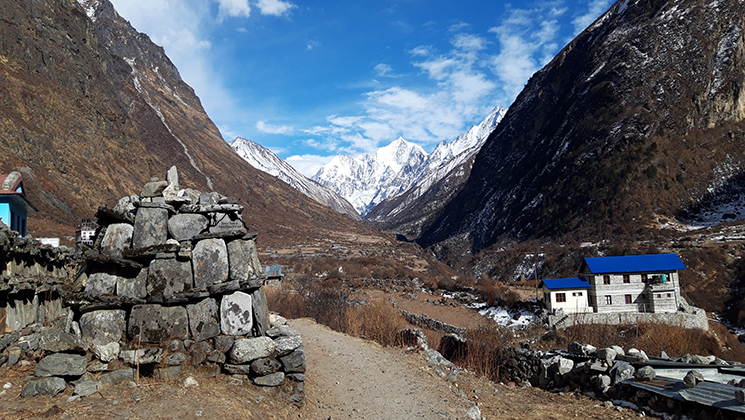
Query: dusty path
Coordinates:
[351,378]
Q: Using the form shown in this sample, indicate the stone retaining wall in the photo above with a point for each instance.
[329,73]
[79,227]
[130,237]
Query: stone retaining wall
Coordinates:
[696,318]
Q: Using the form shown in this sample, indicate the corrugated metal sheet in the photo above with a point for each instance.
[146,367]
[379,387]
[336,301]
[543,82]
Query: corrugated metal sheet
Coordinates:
[566,283]
[710,394]
[635,263]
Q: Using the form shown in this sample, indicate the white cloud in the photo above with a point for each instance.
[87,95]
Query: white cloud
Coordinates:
[383,70]
[273,129]
[308,165]
[233,8]
[274,7]
[594,9]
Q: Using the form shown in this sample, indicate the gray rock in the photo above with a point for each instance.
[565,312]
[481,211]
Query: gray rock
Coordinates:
[474,413]
[135,288]
[167,373]
[203,321]
[100,284]
[645,373]
[61,364]
[117,376]
[246,350]
[619,351]
[154,189]
[693,378]
[607,354]
[14,355]
[583,349]
[104,326]
[281,331]
[621,371]
[297,377]
[43,386]
[225,223]
[97,366]
[126,204]
[172,177]
[118,237]
[106,352]
[87,388]
[236,314]
[210,262]
[237,369]
[266,366]
[167,277]
[602,382]
[154,323]
[295,361]
[243,260]
[185,226]
[260,311]
[740,396]
[664,356]
[224,343]
[151,227]
[285,345]
[55,340]
[176,359]
[276,320]
[275,379]
[146,356]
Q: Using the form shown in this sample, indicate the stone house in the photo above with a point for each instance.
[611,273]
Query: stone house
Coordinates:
[14,206]
[568,294]
[634,283]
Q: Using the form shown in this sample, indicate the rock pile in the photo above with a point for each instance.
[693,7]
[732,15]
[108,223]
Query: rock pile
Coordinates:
[173,278]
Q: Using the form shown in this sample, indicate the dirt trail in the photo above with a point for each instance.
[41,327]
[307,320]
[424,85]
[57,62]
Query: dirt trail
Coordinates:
[351,378]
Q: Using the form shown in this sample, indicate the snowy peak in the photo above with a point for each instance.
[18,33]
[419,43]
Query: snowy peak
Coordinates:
[366,180]
[267,161]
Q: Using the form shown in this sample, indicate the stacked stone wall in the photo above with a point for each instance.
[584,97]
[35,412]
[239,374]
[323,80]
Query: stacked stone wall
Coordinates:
[173,278]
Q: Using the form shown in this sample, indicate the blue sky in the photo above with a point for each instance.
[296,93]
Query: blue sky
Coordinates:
[313,79]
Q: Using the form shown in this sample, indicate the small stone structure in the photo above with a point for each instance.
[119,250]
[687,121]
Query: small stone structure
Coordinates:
[173,277]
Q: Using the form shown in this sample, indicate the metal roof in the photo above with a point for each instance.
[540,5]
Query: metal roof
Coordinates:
[706,393]
[634,264]
[566,283]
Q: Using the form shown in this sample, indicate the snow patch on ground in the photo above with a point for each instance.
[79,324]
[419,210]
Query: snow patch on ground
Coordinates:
[508,317]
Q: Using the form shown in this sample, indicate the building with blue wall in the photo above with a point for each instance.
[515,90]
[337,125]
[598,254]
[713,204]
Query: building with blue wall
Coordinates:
[14,206]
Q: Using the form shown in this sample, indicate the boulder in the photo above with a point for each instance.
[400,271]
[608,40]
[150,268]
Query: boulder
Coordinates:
[154,189]
[185,226]
[104,326]
[276,319]
[172,177]
[61,364]
[210,262]
[203,319]
[740,396]
[607,354]
[167,277]
[275,379]
[135,288]
[281,331]
[100,283]
[295,361]
[225,223]
[151,227]
[55,340]
[244,263]
[117,376]
[246,350]
[621,371]
[43,386]
[236,314]
[86,388]
[118,237]
[106,352]
[266,366]
[581,349]
[693,378]
[645,373]
[154,323]
[285,345]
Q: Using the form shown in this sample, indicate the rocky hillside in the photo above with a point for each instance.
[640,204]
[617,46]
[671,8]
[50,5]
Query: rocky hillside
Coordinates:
[641,116]
[90,110]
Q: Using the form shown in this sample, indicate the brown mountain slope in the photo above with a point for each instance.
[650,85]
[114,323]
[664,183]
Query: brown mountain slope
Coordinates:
[90,110]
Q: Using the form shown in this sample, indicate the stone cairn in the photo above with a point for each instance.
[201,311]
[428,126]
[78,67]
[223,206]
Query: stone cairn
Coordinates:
[173,278]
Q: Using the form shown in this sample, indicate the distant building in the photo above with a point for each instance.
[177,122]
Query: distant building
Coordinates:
[568,295]
[634,283]
[631,283]
[273,272]
[86,233]
[14,206]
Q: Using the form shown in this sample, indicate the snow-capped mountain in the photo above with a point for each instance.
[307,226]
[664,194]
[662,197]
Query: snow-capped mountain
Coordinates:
[366,180]
[265,160]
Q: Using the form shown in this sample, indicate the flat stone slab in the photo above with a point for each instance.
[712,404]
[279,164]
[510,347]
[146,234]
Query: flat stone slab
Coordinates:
[210,262]
[203,319]
[212,208]
[275,379]
[61,364]
[117,376]
[117,238]
[167,277]
[135,288]
[43,386]
[147,356]
[236,314]
[246,350]
[285,345]
[244,263]
[55,340]
[100,283]
[103,326]
[153,323]
[87,388]
[185,226]
[151,227]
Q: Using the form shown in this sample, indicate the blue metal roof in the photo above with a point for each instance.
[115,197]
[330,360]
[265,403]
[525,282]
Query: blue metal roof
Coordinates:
[634,263]
[566,283]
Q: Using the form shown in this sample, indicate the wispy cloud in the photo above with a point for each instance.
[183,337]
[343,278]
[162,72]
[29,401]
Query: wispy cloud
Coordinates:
[273,129]
[383,70]
[275,7]
[308,165]
[233,8]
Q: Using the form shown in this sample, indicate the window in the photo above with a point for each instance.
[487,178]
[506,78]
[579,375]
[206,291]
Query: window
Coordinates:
[628,299]
[669,295]
[608,300]
[606,279]
[561,297]
[575,294]
[644,278]
[626,278]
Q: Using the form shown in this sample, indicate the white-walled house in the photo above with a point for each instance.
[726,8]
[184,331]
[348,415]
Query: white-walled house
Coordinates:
[569,295]
[634,283]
